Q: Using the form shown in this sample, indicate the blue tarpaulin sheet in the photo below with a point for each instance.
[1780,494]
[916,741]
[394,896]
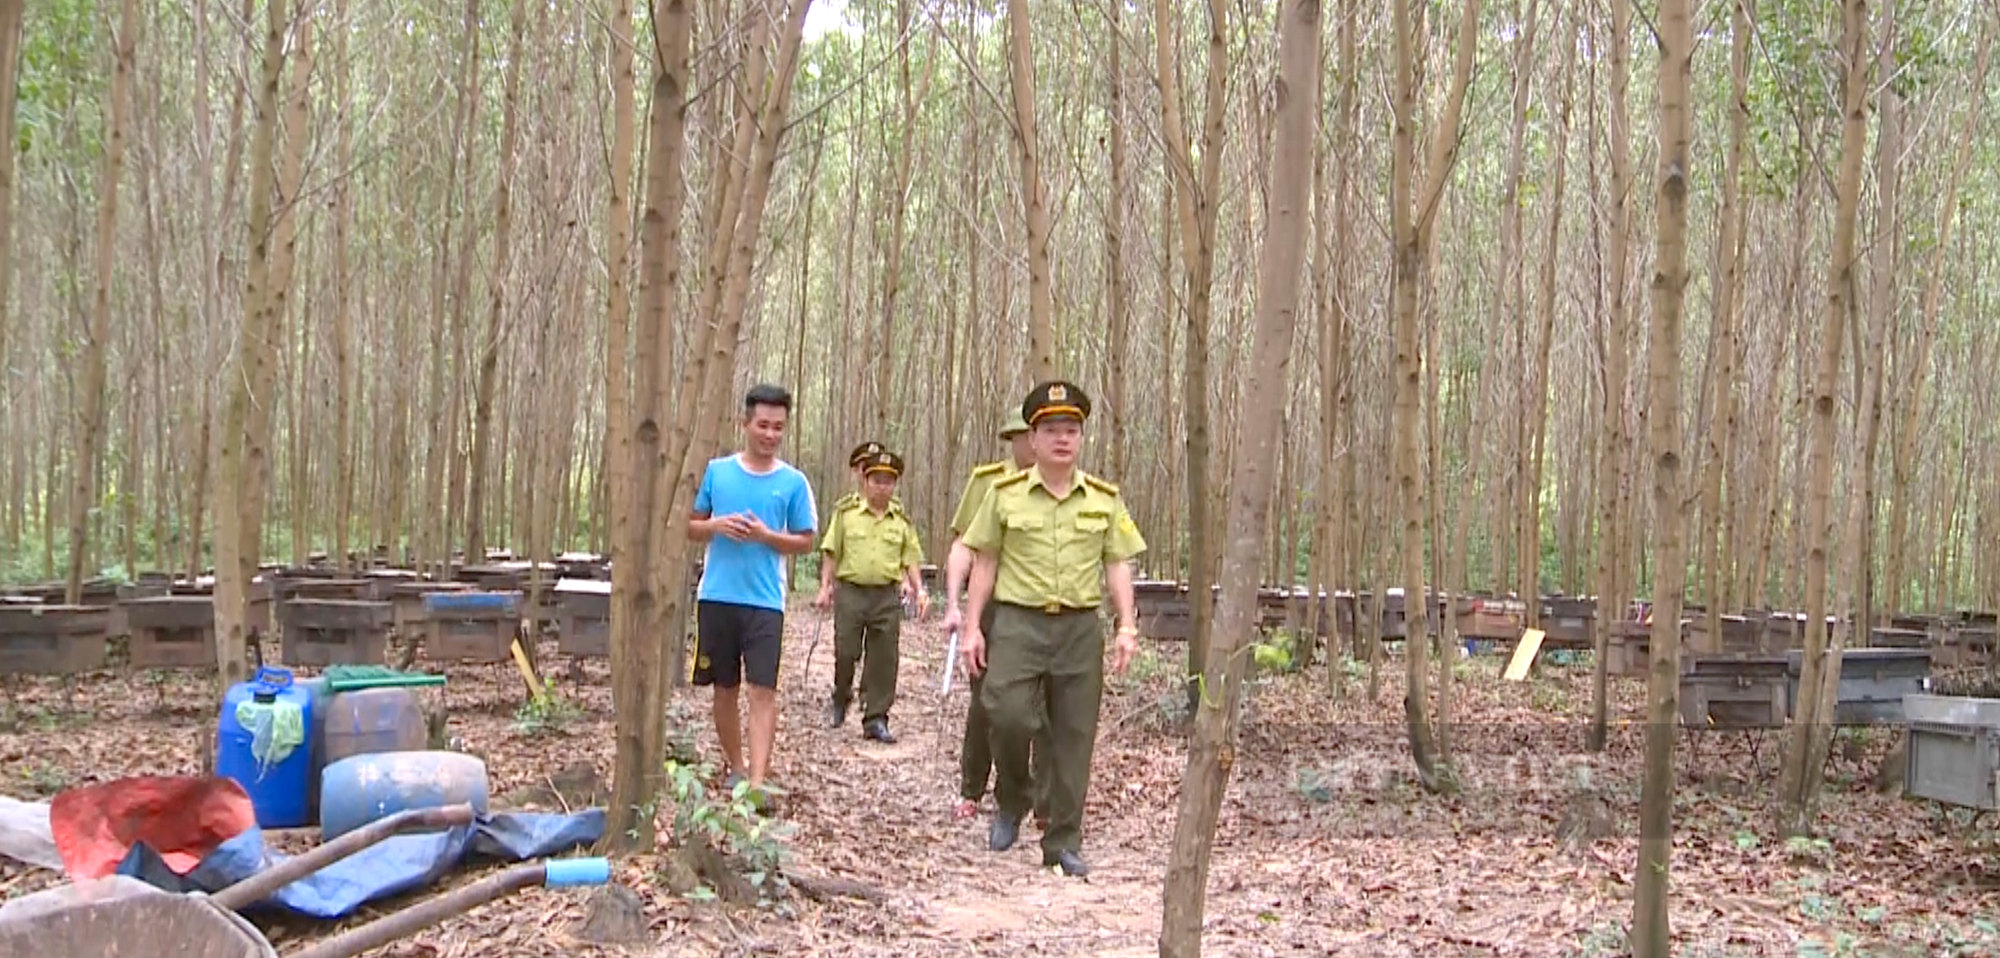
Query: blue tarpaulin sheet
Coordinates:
[395,865]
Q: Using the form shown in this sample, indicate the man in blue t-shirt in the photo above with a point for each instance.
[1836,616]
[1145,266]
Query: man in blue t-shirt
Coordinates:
[752,509]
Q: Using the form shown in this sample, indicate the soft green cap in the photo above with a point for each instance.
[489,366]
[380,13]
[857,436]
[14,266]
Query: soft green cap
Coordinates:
[1014,426]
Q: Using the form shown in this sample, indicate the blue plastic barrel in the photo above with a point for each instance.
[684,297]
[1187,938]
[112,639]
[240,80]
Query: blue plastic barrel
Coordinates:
[364,788]
[279,791]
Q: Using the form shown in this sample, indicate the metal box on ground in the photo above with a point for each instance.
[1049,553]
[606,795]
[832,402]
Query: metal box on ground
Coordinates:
[52,639]
[172,632]
[1873,683]
[1734,691]
[471,626]
[585,608]
[334,632]
[1953,754]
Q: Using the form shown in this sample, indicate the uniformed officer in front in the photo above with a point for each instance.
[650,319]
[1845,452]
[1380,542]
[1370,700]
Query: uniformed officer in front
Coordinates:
[1045,542]
[975,755]
[870,548]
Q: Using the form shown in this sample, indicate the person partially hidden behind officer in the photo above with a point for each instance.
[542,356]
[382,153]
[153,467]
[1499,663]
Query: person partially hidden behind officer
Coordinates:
[858,457]
[975,755]
[1043,540]
[870,549]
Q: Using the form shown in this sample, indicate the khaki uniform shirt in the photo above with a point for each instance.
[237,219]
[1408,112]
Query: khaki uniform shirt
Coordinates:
[976,486]
[1053,551]
[868,549]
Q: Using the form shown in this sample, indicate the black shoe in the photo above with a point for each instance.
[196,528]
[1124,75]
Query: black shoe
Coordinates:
[836,715]
[878,729]
[1006,828]
[1070,862]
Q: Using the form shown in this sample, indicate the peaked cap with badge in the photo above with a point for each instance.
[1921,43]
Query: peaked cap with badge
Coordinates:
[863,453]
[884,461]
[1055,399]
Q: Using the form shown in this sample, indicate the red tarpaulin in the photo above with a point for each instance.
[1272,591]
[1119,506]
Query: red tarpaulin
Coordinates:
[182,818]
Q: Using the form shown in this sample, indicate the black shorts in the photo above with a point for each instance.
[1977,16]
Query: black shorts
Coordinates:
[737,642]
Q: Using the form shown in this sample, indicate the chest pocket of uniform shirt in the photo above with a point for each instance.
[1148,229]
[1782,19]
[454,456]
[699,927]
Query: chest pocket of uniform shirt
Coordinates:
[892,537]
[1024,523]
[1092,523]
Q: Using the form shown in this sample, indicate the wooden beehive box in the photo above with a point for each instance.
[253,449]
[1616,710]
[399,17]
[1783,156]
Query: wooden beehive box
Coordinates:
[1628,649]
[471,626]
[354,590]
[1953,754]
[1740,635]
[172,632]
[382,583]
[320,632]
[46,639]
[260,594]
[1567,620]
[1734,691]
[1163,609]
[1393,624]
[1491,617]
[585,624]
[406,600]
[1348,607]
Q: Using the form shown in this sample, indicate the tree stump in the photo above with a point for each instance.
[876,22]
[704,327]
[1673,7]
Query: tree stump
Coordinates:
[614,916]
[1587,819]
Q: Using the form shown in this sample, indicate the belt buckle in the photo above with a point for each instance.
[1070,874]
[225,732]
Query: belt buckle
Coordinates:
[1052,608]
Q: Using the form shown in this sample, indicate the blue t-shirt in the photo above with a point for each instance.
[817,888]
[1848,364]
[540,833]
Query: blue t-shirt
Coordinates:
[751,573]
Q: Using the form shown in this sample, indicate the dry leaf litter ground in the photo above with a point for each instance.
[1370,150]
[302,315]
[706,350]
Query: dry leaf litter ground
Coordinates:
[1327,846]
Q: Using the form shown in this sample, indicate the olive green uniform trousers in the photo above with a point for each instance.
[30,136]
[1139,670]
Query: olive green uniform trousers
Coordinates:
[1034,658]
[867,629]
[975,754]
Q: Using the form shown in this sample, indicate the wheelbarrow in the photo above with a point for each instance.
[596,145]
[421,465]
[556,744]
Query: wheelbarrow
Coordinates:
[122,916]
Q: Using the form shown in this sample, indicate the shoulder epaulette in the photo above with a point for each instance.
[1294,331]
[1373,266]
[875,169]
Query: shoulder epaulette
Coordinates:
[1014,479]
[1099,485]
[846,500]
[990,469]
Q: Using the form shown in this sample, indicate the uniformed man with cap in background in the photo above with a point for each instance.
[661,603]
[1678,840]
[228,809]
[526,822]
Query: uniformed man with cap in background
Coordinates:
[975,756]
[1046,541]
[868,567]
[856,458]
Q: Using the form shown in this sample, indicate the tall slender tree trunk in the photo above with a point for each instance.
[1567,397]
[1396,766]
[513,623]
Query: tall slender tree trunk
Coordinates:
[1411,226]
[11,14]
[489,351]
[1916,365]
[97,337]
[1034,196]
[343,372]
[1210,752]
[1538,389]
[640,689]
[1725,342]
[1613,439]
[1196,202]
[1811,728]
[242,448]
[1651,935]
[1119,310]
